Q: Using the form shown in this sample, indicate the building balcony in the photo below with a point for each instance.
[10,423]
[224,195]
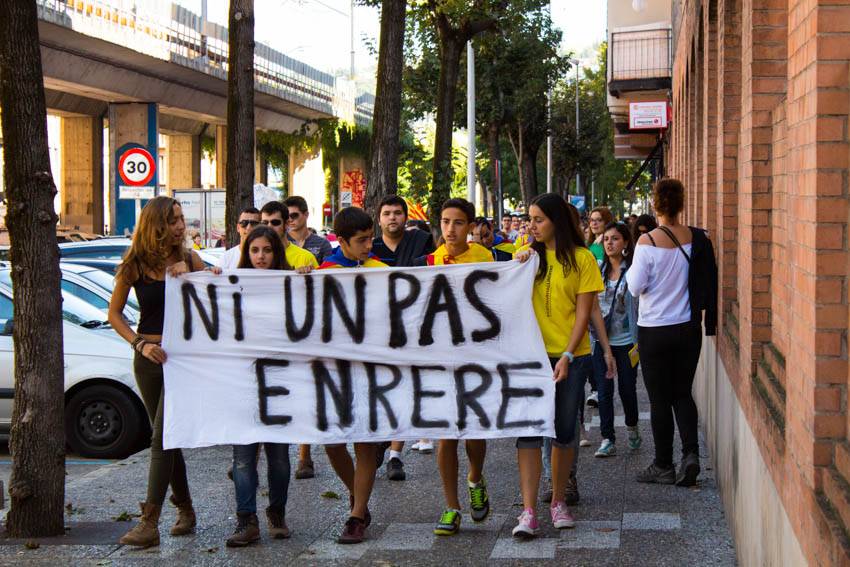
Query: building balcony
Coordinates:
[640,58]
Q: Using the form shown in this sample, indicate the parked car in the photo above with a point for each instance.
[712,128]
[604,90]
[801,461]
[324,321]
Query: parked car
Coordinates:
[103,248]
[102,264]
[104,414]
[99,282]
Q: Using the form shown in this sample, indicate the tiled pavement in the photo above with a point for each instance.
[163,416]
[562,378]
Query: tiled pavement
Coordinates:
[620,522]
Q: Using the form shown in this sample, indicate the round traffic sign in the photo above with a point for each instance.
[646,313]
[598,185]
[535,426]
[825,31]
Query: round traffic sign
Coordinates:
[136,167]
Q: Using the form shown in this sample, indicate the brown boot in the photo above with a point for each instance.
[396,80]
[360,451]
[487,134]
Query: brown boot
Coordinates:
[146,532]
[277,525]
[186,520]
[247,531]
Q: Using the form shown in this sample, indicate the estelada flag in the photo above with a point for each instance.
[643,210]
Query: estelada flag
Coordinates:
[415,211]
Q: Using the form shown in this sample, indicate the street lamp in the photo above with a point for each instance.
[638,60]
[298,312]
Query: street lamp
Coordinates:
[577,63]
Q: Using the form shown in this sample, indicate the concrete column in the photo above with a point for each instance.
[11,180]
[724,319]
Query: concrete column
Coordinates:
[307,179]
[184,162]
[220,156]
[81,183]
[261,169]
[130,123]
[352,177]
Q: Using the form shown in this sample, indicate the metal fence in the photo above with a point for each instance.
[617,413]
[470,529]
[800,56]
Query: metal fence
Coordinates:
[170,32]
[641,54]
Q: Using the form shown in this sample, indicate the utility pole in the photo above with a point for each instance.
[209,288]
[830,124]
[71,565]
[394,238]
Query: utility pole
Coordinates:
[549,130]
[351,38]
[470,122]
[578,175]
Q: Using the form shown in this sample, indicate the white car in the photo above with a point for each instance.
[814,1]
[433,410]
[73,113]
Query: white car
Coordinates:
[104,414]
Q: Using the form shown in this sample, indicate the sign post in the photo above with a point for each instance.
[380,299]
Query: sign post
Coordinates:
[136,184]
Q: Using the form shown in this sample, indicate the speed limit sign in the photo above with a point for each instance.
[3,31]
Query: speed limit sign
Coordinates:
[136,167]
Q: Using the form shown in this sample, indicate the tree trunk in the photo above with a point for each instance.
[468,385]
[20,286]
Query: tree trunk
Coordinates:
[450,51]
[37,445]
[495,153]
[382,178]
[529,173]
[240,115]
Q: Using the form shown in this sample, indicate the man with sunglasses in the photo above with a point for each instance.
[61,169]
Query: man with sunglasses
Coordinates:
[299,233]
[274,215]
[248,219]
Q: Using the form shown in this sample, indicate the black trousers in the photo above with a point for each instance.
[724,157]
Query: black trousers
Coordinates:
[669,357]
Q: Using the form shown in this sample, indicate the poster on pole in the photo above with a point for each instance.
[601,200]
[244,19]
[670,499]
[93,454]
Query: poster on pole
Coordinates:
[355,355]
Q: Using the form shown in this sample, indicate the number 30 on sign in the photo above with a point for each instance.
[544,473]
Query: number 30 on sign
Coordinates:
[136,167]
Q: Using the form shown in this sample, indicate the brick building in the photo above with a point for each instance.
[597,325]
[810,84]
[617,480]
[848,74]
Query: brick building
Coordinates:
[760,93]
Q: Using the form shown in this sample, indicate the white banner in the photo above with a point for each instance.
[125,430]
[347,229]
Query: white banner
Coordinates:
[355,355]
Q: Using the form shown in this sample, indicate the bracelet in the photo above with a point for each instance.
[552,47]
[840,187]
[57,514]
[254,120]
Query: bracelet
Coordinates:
[570,356]
[135,343]
[140,346]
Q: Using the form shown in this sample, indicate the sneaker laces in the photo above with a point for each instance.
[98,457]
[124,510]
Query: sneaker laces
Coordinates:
[477,494]
[448,516]
[526,517]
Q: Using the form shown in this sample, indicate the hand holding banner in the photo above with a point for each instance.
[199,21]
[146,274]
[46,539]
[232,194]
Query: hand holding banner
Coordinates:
[355,355]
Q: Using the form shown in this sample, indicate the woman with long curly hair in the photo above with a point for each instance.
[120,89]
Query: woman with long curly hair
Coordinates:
[157,249]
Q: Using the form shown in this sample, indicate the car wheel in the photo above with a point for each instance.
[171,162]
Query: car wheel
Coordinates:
[103,421]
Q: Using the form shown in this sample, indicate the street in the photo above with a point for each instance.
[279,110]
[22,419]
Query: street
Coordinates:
[620,522]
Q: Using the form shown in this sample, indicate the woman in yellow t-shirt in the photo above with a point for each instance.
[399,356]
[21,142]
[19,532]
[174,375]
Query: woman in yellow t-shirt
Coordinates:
[563,296]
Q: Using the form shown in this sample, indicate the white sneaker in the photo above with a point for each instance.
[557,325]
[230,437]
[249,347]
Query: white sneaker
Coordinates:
[426,447]
[593,400]
[583,440]
[415,446]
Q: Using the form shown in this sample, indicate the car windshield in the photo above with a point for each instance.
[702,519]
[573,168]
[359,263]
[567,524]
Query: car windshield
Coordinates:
[74,309]
[107,282]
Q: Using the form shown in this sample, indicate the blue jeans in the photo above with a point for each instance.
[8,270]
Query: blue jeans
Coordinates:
[626,384]
[246,480]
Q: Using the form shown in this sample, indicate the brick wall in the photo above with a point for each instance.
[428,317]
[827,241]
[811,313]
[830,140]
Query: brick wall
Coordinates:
[761,95]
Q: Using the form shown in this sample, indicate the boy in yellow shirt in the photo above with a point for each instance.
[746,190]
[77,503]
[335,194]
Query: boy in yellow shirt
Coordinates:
[457,218]
[355,232]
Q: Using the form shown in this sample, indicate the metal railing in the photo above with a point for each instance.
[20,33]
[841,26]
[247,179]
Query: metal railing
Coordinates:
[641,54]
[170,32]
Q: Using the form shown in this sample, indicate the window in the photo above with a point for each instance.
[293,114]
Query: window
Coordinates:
[86,295]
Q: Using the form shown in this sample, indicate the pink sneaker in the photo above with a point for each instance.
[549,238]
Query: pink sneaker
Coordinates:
[561,517]
[527,526]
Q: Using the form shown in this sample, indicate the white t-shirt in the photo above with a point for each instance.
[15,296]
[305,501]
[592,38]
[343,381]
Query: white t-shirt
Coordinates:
[230,259]
[659,276]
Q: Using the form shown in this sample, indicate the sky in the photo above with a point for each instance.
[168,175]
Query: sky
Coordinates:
[317,32]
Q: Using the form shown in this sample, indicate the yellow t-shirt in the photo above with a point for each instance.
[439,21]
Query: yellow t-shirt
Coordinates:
[475,253]
[299,258]
[554,300]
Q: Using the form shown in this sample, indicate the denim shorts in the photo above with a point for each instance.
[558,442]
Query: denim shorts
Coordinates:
[569,396]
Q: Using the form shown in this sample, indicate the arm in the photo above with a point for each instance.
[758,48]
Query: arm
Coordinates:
[637,277]
[598,323]
[584,307]
[149,350]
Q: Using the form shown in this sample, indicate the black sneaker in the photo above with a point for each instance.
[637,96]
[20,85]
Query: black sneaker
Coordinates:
[655,474]
[688,470]
[395,469]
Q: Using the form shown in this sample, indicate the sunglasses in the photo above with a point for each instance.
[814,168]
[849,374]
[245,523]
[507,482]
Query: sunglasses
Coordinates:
[273,222]
[294,216]
[247,223]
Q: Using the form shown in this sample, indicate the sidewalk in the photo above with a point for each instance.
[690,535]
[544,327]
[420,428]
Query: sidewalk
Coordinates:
[620,522]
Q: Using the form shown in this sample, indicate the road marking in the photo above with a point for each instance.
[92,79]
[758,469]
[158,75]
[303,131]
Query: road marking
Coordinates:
[512,548]
[591,535]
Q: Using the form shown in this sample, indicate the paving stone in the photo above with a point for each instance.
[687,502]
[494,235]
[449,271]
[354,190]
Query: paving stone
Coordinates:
[512,548]
[591,535]
[407,536]
[651,521]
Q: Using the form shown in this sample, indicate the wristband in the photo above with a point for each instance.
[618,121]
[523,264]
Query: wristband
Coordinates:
[570,356]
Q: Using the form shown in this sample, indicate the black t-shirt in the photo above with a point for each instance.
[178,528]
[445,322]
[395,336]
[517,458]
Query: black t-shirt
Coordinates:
[414,244]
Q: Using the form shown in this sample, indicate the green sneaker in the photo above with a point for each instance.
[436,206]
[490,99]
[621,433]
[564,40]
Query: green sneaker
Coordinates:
[449,523]
[478,500]
[634,438]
